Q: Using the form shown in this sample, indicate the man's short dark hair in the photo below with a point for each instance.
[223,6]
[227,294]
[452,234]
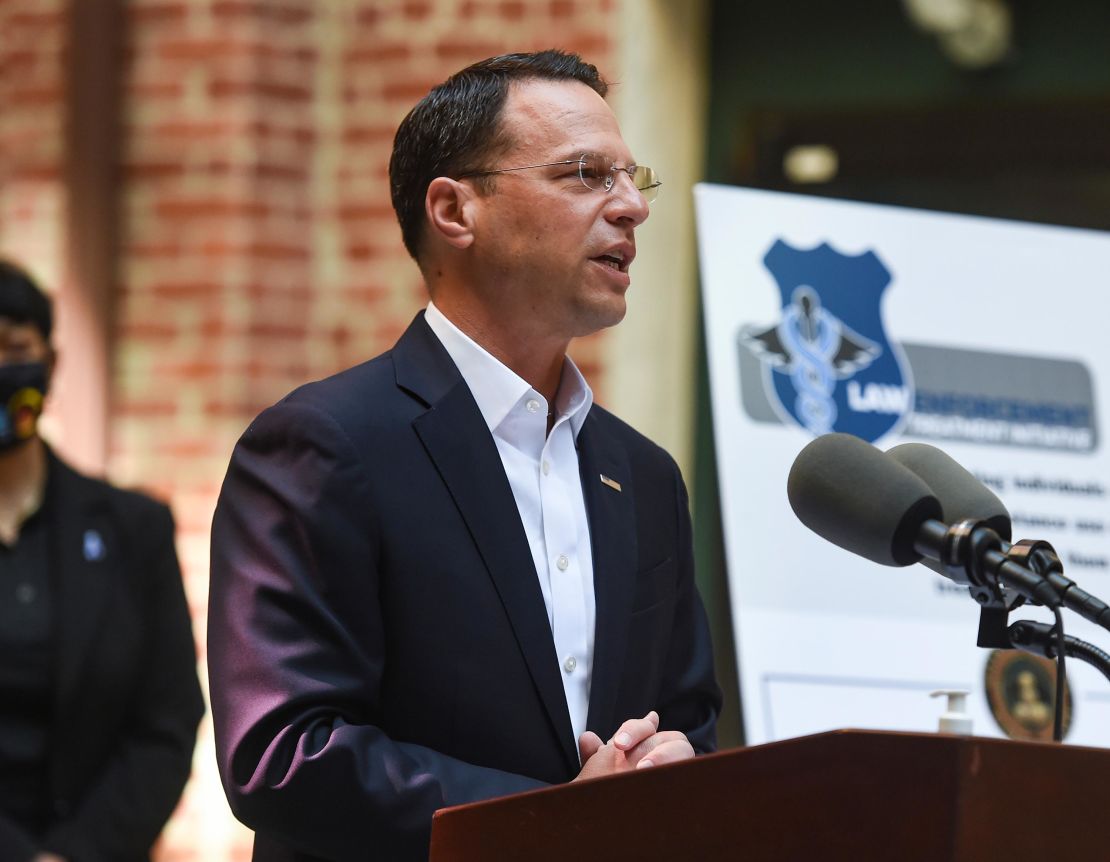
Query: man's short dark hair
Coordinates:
[456,126]
[23,301]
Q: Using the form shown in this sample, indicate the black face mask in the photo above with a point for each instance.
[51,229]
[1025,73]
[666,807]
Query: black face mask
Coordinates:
[22,390]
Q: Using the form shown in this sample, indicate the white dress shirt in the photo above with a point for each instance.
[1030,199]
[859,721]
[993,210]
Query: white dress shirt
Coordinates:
[543,472]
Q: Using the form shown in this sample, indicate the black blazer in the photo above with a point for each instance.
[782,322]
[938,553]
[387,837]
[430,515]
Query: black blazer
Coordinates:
[127,699]
[378,642]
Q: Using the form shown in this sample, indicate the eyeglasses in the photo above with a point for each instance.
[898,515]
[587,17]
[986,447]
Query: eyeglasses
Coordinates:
[596,172]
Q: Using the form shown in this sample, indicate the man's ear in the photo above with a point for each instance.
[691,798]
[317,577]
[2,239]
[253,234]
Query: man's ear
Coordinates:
[449,207]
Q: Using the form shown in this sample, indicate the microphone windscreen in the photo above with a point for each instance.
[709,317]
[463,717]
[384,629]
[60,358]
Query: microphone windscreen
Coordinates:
[850,493]
[961,495]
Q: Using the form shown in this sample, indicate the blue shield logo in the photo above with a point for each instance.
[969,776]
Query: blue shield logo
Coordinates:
[828,365]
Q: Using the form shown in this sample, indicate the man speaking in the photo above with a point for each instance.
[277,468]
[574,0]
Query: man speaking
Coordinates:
[445,574]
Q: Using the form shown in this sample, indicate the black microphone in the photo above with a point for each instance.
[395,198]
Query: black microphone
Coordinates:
[850,493]
[962,496]
[853,495]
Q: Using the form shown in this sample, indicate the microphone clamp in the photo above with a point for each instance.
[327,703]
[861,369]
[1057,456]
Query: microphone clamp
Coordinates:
[970,553]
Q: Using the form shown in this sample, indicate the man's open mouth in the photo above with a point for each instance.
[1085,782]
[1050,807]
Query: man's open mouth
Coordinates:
[614,260]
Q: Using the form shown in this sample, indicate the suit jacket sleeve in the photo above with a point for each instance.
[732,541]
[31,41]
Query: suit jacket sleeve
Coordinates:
[297,649]
[133,797]
[690,699]
[15,844]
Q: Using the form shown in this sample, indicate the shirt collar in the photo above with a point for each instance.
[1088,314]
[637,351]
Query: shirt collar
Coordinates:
[496,388]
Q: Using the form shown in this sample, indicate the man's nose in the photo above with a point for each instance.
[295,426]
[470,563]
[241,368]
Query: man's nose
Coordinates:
[628,202]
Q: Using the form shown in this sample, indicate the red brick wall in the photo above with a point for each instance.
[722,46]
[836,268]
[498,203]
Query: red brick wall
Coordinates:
[260,248]
[31,147]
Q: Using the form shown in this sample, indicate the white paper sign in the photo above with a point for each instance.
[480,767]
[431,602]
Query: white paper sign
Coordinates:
[985,338]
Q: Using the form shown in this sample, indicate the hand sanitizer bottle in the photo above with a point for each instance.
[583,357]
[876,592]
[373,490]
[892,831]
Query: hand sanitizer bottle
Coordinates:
[955,718]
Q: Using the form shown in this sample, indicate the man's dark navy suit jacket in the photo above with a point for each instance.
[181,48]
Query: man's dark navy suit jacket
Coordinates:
[378,643]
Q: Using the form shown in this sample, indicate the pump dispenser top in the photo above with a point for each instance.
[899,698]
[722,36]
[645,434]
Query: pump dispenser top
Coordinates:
[954,719]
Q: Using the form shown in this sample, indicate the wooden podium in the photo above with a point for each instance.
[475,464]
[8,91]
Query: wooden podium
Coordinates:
[845,795]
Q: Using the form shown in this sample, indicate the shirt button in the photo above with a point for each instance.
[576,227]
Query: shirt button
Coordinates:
[546,466]
[562,562]
[25,594]
[532,406]
[570,664]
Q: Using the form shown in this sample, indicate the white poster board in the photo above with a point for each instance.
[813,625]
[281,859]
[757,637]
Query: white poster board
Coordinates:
[985,338]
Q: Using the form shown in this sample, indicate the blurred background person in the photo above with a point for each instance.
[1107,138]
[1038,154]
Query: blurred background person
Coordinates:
[99,697]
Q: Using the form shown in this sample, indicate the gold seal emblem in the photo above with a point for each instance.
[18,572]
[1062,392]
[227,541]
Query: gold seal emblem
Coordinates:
[1021,689]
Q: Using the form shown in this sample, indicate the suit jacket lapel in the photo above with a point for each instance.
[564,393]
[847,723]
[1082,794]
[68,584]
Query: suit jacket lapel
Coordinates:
[459,443]
[613,537]
[82,555]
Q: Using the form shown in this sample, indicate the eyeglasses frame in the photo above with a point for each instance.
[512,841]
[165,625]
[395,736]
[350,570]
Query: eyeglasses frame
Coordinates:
[609,182]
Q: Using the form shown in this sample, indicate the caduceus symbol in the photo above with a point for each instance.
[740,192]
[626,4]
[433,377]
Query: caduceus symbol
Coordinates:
[816,349]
